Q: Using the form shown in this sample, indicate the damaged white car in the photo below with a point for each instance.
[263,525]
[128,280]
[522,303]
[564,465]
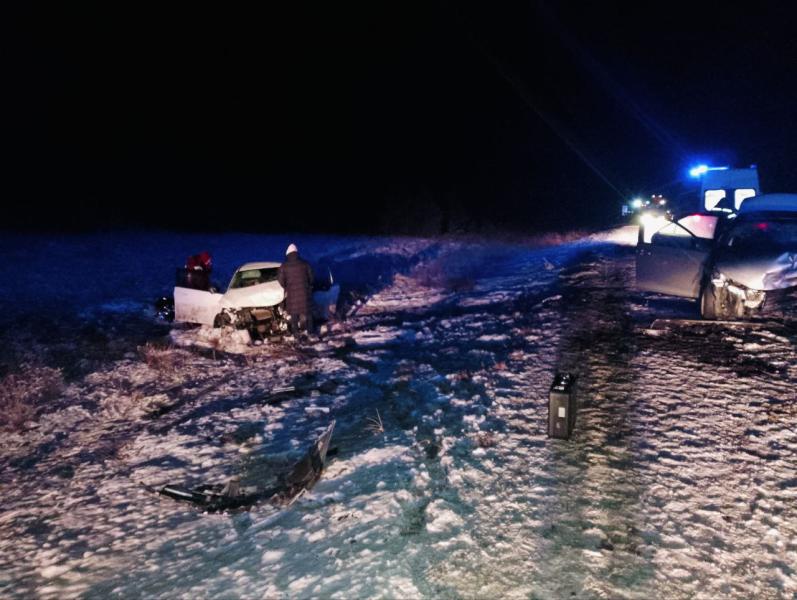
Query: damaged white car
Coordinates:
[740,267]
[253,300]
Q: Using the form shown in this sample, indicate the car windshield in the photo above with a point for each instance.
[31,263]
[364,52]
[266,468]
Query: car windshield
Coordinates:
[761,235]
[249,277]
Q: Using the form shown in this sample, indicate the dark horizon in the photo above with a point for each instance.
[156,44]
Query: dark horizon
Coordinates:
[419,118]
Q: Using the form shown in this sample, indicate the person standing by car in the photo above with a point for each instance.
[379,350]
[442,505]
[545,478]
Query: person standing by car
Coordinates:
[296,278]
[197,271]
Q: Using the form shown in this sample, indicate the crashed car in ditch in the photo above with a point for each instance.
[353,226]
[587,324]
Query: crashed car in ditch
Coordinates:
[737,267]
[253,300]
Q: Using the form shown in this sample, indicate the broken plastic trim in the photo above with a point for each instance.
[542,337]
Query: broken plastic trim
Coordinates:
[214,498]
[217,498]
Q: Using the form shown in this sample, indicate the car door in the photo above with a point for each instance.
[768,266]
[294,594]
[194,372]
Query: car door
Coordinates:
[195,306]
[672,261]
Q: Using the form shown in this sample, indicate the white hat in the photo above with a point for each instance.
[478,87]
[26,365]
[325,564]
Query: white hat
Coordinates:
[291,248]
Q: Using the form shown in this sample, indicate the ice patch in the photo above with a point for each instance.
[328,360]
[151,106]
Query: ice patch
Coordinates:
[496,337]
[380,336]
[441,518]
[54,571]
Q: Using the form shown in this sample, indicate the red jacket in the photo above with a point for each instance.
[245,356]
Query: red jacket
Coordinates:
[201,261]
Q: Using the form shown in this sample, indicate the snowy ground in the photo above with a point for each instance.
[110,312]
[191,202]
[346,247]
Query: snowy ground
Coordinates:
[680,480]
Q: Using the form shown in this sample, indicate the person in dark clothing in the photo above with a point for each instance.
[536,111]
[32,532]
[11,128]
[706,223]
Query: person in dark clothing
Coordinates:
[296,278]
[197,271]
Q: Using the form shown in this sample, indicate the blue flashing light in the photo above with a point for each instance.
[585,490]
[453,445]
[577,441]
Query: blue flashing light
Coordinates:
[703,169]
[636,203]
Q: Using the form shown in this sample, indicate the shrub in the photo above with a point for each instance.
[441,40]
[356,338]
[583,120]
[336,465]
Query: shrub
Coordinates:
[454,270]
[485,439]
[22,394]
[160,358]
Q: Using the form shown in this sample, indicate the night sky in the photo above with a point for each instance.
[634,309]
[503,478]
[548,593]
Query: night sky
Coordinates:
[374,117]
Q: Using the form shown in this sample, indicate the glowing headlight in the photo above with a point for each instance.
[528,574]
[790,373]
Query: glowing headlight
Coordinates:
[650,224]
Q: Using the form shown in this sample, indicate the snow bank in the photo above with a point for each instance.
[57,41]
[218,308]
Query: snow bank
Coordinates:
[221,339]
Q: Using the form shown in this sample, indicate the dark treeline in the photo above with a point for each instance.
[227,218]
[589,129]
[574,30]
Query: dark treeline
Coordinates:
[416,117]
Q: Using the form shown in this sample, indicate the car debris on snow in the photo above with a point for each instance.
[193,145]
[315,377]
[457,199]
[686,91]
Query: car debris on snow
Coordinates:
[231,496]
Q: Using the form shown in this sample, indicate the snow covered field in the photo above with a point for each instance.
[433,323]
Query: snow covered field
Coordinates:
[680,480]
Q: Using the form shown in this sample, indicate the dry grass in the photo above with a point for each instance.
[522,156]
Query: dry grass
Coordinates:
[375,424]
[429,274]
[160,358]
[554,238]
[485,439]
[23,394]
[459,376]
[447,273]
[216,345]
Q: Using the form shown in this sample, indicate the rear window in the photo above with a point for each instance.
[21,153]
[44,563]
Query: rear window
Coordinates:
[251,277]
[762,235]
[702,226]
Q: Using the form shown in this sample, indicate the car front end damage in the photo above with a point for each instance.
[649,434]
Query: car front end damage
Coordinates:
[751,285]
[254,302]
[256,308]
[735,300]
[261,322]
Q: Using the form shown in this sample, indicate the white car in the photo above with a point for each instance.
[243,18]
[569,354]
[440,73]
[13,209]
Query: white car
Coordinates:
[252,301]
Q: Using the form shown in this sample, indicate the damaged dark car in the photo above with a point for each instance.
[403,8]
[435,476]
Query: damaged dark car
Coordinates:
[740,267]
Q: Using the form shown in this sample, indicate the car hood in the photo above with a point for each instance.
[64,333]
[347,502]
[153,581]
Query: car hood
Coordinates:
[761,272]
[264,294]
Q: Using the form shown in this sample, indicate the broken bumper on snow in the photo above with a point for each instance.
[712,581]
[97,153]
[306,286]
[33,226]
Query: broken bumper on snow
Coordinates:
[232,496]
